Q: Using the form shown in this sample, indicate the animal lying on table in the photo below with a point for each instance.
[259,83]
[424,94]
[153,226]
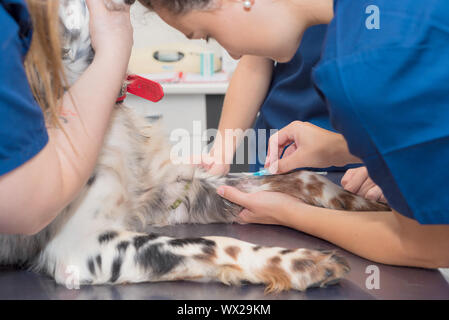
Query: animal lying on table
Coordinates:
[135,184]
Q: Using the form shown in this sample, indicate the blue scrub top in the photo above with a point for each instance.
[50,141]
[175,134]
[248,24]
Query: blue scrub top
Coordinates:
[22,128]
[388,93]
[291,95]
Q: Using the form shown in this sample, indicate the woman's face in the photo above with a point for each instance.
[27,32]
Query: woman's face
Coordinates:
[269,29]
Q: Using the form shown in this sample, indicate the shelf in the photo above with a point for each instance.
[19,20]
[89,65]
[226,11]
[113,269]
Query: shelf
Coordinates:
[218,87]
[195,88]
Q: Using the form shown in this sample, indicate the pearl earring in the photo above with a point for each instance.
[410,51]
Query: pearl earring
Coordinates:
[248,4]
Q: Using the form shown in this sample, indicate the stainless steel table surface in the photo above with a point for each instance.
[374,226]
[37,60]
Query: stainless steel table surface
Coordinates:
[395,282]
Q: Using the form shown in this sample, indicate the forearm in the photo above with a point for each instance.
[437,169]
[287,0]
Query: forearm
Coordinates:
[383,237]
[246,93]
[87,110]
[56,175]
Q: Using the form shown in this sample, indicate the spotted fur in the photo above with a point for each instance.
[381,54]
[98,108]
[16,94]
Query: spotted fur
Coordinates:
[101,233]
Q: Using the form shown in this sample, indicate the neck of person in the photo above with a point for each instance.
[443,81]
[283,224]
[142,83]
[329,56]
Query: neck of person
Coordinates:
[313,12]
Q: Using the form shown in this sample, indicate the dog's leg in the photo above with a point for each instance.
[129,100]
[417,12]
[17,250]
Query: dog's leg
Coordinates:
[125,257]
[310,188]
[201,203]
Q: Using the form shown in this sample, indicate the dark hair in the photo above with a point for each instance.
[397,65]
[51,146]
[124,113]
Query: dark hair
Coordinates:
[177,6]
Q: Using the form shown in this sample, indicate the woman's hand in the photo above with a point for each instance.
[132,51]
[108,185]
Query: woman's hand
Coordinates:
[262,207]
[111,31]
[214,164]
[217,168]
[310,146]
[358,181]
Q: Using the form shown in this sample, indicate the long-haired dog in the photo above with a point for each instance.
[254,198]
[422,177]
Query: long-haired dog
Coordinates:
[136,184]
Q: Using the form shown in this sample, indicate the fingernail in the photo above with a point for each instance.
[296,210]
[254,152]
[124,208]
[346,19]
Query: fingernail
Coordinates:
[273,168]
[241,219]
[221,191]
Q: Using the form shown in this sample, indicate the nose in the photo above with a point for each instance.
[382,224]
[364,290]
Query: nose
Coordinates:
[129,2]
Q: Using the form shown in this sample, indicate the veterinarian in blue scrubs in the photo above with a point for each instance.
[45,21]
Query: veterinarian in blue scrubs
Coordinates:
[22,126]
[388,94]
[388,91]
[387,88]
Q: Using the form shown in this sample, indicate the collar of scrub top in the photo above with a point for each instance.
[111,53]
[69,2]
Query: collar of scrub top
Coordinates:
[141,87]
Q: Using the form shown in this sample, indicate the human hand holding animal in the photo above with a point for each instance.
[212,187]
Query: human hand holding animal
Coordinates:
[310,146]
[214,164]
[111,30]
[218,169]
[358,181]
[262,207]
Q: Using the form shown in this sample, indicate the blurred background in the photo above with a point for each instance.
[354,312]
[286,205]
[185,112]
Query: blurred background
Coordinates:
[194,74]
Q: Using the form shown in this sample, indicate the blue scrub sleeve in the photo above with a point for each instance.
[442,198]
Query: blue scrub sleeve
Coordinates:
[388,94]
[409,122]
[392,105]
[23,132]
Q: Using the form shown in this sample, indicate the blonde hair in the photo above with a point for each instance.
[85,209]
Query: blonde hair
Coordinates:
[43,63]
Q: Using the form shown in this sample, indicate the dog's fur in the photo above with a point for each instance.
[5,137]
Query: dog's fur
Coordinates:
[135,184]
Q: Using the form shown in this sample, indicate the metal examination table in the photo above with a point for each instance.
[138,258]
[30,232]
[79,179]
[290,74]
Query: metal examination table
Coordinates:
[395,282]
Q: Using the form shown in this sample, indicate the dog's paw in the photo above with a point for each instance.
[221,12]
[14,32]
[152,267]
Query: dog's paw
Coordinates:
[302,269]
[117,5]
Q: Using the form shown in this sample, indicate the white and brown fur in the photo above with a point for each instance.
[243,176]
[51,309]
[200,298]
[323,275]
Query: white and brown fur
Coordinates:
[135,184]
